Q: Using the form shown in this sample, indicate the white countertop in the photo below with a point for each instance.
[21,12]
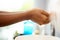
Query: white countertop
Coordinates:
[36,37]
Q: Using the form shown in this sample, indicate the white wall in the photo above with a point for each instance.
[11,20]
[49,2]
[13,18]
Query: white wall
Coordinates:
[54,6]
[41,3]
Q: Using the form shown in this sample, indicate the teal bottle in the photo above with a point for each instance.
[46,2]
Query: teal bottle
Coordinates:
[28,27]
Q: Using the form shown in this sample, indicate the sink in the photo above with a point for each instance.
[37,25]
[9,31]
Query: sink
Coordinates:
[36,37]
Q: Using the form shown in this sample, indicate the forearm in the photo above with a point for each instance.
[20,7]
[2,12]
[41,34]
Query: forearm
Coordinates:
[10,18]
[37,15]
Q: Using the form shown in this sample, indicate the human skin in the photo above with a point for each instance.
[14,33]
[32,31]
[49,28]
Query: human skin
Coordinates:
[37,15]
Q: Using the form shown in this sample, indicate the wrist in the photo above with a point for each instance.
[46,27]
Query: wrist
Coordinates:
[28,15]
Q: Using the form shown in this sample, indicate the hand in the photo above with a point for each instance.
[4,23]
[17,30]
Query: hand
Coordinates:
[39,16]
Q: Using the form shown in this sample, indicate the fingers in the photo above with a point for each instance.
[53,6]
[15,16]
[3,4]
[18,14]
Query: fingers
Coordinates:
[45,13]
[45,19]
[40,16]
[42,11]
[40,19]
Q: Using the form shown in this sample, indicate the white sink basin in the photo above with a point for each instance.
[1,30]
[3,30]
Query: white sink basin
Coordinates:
[36,37]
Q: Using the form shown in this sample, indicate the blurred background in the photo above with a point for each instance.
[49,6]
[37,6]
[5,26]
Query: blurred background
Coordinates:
[27,26]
